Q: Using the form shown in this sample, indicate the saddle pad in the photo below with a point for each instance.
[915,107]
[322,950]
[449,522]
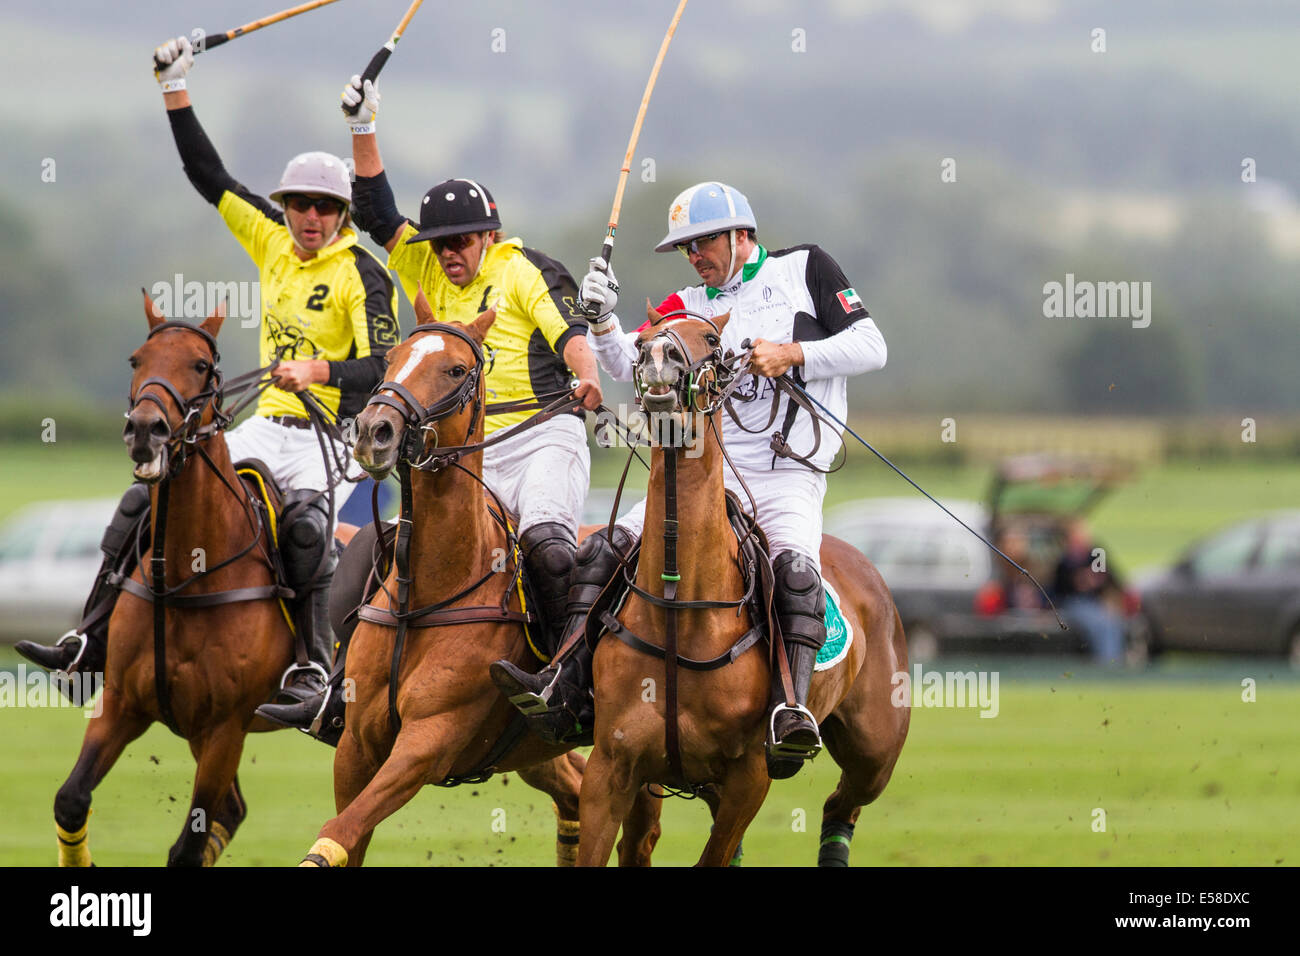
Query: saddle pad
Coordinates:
[839,632]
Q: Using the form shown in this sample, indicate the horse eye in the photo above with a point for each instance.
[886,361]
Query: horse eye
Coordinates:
[713,340]
[457,372]
[201,366]
[133,362]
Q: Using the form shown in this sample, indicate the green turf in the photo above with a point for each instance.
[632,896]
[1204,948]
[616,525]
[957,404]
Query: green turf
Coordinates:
[1186,772]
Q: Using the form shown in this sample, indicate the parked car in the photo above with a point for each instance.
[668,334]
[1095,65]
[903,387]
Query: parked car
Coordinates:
[49,554]
[953,593]
[1237,590]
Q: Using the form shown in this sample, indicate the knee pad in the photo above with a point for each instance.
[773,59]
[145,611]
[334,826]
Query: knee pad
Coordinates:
[304,534]
[130,511]
[548,549]
[800,599]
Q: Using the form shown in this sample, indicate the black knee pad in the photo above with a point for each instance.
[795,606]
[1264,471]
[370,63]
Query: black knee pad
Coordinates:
[548,550]
[800,599]
[130,511]
[305,535]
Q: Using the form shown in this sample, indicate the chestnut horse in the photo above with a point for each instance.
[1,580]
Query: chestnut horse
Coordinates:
[224,653]
[720,713]
[426,712]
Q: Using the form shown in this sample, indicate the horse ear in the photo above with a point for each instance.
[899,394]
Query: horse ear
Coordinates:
[151,311]
[212,324]
[721,320]
[423,311]
[478,329]
[650,313]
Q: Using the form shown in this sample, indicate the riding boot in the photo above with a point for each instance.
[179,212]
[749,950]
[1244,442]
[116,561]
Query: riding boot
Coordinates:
[85,649]
[557,700]
[548,561]
[306,546]
[800,604]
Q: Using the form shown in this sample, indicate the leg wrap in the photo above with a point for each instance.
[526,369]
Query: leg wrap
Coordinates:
[74,846]
[566,841]
[326,853]
[218,840]
[836,838]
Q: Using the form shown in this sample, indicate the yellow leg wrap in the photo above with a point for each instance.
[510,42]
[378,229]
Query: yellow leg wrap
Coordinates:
[566,841]
[74,848]
[329,851]
[218,840]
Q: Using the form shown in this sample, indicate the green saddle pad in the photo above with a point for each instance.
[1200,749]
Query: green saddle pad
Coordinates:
[839,633]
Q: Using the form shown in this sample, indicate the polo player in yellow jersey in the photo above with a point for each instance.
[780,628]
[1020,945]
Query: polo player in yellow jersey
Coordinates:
[462,261]
[332,305]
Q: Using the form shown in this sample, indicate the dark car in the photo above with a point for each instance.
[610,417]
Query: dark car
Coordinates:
[956,595]
[1237,591]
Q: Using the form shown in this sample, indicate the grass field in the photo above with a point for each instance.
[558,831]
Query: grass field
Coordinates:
[1186,772]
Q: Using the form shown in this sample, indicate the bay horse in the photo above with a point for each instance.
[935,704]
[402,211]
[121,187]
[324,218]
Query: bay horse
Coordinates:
[705,729]
[423,709]
[225,640]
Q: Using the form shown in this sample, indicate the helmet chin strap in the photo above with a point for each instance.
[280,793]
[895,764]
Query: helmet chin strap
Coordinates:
[731,262]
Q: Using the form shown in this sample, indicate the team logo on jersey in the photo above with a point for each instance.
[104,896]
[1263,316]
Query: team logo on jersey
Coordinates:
[849,300]
[767,293]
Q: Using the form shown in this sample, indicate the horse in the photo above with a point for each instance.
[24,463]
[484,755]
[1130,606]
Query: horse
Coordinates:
[704,729]
[196,651]
[423,709]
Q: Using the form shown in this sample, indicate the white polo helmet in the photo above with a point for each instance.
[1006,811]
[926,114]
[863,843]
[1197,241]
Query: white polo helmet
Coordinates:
[704,209]
[316,173]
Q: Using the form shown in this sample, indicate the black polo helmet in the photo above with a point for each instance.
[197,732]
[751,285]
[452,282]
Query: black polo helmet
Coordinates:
[454,207]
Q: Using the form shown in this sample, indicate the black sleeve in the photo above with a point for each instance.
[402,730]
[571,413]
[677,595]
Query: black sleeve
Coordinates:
[374,208]
[357,376]
[203,165]
[836,301]
[564,293]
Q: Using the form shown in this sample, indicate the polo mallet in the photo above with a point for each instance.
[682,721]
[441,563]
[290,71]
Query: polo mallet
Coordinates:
[217,39]
[379,59]
[607,249]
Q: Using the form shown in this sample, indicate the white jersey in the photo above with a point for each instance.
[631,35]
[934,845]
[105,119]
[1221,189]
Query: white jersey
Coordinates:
[793,295]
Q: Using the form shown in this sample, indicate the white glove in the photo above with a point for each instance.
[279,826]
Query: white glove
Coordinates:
[176,57]
[366,102]
[599,291]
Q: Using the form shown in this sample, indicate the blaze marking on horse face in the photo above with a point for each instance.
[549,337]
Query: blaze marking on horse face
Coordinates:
[657,357]
[425,345]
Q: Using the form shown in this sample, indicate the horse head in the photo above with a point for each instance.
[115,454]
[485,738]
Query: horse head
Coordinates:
[678,358]
[431,395]
[175,391]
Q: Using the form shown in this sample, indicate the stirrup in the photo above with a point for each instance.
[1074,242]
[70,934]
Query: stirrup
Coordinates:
[792,751]
[73,635]
[314,730]
[532,703]
[309,666]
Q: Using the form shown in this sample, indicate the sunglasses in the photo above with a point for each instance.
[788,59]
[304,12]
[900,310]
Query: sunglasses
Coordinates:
[455,243]
[322,204]
[686,248]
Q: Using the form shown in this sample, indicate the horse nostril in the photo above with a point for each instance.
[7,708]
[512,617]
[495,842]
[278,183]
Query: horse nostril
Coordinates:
[383,434]
[159,428]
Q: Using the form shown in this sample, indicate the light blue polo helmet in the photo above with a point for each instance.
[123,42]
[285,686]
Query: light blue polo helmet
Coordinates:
[704,209]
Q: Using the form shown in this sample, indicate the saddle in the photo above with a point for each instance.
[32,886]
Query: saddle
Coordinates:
[266,495]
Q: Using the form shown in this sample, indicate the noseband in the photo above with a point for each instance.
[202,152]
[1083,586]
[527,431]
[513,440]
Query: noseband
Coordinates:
[192,410]
[419,420]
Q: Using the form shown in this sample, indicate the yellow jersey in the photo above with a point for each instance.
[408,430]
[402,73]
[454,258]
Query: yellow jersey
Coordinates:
[537,313]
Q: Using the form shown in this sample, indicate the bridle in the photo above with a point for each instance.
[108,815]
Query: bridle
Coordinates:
[710,375]
[420,421]
[191,430]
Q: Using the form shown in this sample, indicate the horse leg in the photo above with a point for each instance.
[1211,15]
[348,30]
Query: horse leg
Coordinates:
[739,796]
[217,753]
[865,770]
[230,813]
[424,750]
[561,778]
[608,792]
[106,738]
[712,798]
[641,828]
[354,768]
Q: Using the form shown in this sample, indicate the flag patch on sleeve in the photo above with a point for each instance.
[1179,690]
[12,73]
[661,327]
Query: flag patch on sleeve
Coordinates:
[849,299]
